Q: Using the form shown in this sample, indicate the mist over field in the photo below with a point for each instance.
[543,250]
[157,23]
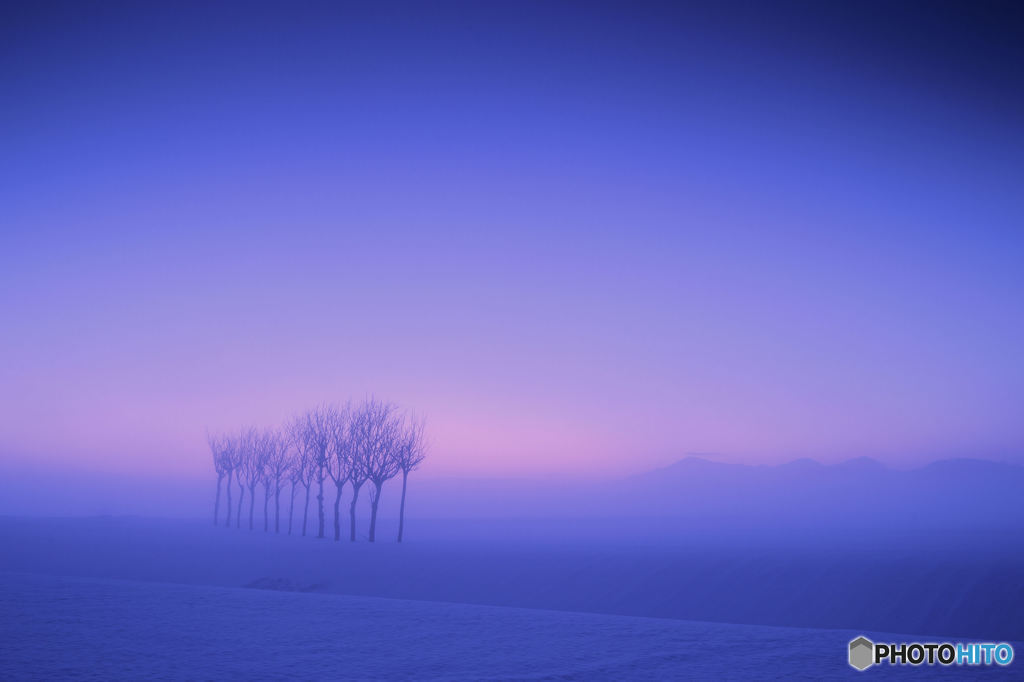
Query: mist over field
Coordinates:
[802,544]
[694,492]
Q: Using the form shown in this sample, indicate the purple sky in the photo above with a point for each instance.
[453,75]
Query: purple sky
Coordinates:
[575,240]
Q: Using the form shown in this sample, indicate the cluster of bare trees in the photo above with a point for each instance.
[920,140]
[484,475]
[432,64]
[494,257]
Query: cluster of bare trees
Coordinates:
[352,445]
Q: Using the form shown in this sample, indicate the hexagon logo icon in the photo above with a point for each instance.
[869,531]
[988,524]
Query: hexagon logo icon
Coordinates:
[862,653]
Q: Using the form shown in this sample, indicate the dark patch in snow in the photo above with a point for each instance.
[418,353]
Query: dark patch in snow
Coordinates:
[285,585]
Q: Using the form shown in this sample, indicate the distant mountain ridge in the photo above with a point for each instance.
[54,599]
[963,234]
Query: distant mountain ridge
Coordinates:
[865,462]
[693,465]
[954,491]
[860,491]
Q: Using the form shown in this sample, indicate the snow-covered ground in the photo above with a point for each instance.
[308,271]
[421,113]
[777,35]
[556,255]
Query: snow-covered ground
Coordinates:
[58,627]
[117,598]
[940,588]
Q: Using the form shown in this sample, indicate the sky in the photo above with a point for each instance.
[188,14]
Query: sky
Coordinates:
[577,237]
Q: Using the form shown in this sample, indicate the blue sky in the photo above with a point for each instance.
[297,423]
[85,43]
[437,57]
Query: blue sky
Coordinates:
[575,236]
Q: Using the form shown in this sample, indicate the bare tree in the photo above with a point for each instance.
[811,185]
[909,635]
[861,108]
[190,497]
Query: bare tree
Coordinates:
[239,459]
[382,467]
[294,479]
[320,423]
[221,465]
[231,464]
[294,468]
[339,460]
[276,471]
[301,465]
[358,436]
[265,445]
[356,478]
[376,437]
[411,452]
[252,468]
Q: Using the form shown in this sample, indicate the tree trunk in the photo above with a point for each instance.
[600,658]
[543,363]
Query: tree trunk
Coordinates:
[227,524]
[291,509]
[305,513]
[374,500]
[352,512]
[252,503]
[266,503]
[241,496]
[337,513]
[401,508]
[320,508]
[216,505]
[277,507]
